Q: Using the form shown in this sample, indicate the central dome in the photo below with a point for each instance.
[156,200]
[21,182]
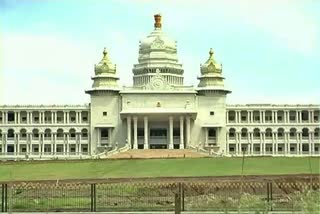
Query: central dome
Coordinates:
[157,52]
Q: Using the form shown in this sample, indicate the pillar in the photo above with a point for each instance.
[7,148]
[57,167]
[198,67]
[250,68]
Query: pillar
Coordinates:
[146,132]
[181,133]
[187,131]
[129,130]
[109,136]
[170,132]
[135,132]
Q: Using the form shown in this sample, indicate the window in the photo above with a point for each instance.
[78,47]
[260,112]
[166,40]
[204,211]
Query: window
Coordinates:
[280,148]
[256,118]
[243,118]
[73,119]
[36,119]
[292,149]
[140,132]
[24,119]
[176,132]
[212,132]
[158,132]
[105,113]
[292,117]
[84,119]
[10,116]
[279,118]
[211,113]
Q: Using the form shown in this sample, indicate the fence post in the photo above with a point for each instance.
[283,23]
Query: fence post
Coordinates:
[177,203]
[93,196]
[2,197]
[271,196]
[182,197]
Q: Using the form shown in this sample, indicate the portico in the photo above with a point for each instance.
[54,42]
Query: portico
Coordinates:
[158,131]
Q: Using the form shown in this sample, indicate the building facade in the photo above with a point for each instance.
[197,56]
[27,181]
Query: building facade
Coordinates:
[158,112]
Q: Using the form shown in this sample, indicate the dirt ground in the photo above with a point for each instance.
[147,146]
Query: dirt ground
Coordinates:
[253,178]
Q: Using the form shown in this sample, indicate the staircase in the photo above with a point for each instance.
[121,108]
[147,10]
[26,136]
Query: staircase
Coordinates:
[157,153]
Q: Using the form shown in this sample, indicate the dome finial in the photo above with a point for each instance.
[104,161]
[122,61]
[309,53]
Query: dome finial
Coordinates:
[211,52]
[105,52]
[157,21]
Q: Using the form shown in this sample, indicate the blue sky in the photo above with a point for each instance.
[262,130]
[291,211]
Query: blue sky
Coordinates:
[270,50]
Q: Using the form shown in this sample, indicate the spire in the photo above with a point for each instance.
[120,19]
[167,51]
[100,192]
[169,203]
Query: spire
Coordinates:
[211,53]
[105,52]
[157,21]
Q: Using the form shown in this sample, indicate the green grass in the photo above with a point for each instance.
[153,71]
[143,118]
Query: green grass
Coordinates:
[154,168]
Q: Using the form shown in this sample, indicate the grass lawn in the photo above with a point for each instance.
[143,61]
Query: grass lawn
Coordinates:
[82,169]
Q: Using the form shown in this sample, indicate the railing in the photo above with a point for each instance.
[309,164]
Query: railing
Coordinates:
[224,196]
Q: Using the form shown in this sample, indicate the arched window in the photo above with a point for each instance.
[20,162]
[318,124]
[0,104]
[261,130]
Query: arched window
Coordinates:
[280,133]
[256,133]
[23,134]
[35,134]
[84,133]
[47,134]
[72,133]
[244,133]
[293,133]
[232,133]
[305,133]
[10,134]
[268,133]
[60,134]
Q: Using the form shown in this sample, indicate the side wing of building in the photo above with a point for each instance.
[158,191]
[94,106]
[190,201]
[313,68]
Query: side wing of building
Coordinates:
[273,129]
[38,131]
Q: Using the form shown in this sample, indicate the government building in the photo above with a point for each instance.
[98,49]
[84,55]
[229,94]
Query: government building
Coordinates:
[158,112]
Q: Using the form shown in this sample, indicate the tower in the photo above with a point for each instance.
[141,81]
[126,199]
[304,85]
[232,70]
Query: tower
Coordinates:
[212,105]
[104,106]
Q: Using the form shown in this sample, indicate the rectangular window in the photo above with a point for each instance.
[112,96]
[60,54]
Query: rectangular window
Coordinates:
[105,113]
[279,118]
[211,113]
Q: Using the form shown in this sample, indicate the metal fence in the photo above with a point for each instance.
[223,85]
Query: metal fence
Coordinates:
[160,196]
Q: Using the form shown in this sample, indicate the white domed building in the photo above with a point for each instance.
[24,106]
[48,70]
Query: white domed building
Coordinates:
[158,112]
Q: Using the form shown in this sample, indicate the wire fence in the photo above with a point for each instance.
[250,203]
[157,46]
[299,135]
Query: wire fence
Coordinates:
[161,196]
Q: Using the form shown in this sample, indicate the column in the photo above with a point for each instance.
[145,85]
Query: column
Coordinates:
[64,117]
[236,116]
[109,136]
[146,132]
[67,119]
[261,119]
[248,116]
[227,115]
[129,131]
[227,142]
[181,133]
[297,116]
[18,117]
[297,142]
[18,144]
[67,144]
[52,117]
[29,145]
[261,147]
[79,146]
[80,116]
[52,141]
[77,117]
[310,142]
[187,131]
[135,132]
[171,132]
[206,135]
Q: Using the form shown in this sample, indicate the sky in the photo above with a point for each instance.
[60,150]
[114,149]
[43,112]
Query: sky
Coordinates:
[270,50]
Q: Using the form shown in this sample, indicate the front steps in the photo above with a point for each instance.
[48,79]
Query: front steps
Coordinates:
[157,153]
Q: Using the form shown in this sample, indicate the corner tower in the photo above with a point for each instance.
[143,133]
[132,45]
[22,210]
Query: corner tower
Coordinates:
[212,95]
[104,107]
[157,56]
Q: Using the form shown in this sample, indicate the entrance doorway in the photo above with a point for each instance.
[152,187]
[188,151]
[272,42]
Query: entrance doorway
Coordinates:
[158,138]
